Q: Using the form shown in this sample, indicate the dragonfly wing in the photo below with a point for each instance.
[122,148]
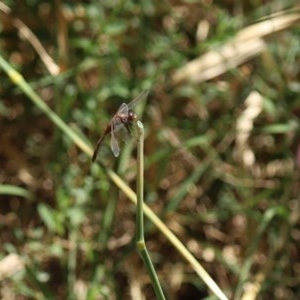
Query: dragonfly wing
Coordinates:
[114,143]
[120,117]
[137,99]
[122,111]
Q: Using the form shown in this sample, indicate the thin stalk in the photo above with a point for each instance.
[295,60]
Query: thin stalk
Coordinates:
[140,243]
[140,182]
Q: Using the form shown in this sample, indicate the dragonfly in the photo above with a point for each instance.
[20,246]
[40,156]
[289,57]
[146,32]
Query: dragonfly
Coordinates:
[123,118]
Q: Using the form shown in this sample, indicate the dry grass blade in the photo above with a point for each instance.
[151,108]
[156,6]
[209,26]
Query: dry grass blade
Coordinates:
[215,63]
[275,23]
[244,126]
[27,34]
[247,44]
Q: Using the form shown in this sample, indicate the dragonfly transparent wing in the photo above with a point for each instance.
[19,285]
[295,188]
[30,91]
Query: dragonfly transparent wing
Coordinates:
[114,143]
[122,114]
[143,95]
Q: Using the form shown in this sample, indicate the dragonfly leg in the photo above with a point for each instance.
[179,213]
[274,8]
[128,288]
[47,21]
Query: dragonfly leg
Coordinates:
[128,126]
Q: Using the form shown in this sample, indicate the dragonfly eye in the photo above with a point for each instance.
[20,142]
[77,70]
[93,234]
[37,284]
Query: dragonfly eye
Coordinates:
[131,115]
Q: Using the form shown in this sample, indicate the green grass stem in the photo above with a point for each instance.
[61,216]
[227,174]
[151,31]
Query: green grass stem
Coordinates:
[140,243]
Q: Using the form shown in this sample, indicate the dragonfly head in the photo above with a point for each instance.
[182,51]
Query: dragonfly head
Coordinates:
[131,115]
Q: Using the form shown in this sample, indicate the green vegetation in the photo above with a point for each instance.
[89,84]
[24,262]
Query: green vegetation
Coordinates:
[222,151]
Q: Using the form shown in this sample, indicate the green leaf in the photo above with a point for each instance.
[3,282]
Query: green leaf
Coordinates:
[47,214]
[6,189]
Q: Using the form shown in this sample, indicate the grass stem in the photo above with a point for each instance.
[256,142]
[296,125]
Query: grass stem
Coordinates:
[140,243]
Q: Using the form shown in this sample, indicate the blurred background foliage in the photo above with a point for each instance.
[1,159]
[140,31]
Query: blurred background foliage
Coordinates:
[222,152]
